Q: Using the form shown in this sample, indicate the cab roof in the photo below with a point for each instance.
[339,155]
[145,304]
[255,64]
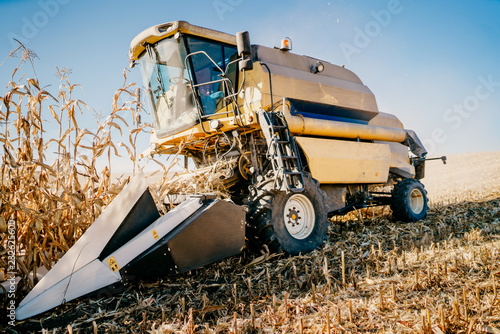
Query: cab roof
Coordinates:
[161,31]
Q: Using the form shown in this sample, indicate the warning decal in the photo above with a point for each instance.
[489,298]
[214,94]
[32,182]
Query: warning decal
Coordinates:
[113,264]
[155,234]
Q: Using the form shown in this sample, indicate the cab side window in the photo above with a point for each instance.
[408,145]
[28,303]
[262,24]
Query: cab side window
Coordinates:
[211,94]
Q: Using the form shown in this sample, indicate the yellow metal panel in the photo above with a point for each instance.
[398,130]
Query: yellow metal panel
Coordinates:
[162,31]
[386,120]
[338,161]
[292,78]
[399,155]
[400,159]
[326,128]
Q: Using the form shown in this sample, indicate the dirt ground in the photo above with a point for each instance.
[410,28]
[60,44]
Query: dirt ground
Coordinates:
[372,275]
[468,175]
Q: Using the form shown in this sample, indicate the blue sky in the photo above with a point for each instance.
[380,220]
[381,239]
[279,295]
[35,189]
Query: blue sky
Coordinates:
[434,64]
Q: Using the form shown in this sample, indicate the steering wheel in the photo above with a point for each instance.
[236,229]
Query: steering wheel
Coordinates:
[178,80]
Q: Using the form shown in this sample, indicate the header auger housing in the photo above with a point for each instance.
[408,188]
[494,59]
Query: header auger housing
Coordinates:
[307,141]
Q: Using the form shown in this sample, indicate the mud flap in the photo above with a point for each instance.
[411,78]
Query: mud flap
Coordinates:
[131,239]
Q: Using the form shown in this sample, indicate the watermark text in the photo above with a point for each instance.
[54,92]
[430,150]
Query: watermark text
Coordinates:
[224,6]
[455,115]
[372,29]
[11,272]
[33,24]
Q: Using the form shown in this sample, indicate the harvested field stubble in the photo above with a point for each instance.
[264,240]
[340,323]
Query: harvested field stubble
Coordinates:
[439,275]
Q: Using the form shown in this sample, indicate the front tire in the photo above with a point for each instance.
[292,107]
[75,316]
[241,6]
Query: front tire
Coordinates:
[290,222]
[409,201]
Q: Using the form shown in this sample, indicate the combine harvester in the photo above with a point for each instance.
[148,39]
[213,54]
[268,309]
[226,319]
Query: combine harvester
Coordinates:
[306,139]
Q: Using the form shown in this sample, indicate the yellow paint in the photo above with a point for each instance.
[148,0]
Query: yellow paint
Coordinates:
[155,234]
[167,143]
[159,32]
[113,264]
[326,128]
[338,161]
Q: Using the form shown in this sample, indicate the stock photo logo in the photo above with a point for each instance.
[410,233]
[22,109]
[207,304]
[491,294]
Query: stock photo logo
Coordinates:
[225,6]
[372,29]
[455,116]
[30,26]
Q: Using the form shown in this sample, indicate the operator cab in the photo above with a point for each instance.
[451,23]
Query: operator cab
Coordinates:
[187,78]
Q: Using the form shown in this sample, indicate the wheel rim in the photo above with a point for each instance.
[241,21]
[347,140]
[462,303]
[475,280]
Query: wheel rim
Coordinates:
[299,216]
[417,201]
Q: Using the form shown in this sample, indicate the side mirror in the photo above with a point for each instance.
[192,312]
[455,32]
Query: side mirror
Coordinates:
[245,65]
[243,43]
[244,50]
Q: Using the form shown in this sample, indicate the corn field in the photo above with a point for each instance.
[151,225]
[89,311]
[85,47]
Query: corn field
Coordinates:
[50,185]
[372,275]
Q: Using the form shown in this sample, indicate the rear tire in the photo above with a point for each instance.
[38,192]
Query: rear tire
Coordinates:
[290,222]
[409,201]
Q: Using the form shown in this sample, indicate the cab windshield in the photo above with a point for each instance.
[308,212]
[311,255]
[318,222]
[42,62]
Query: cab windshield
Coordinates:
[169,84]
